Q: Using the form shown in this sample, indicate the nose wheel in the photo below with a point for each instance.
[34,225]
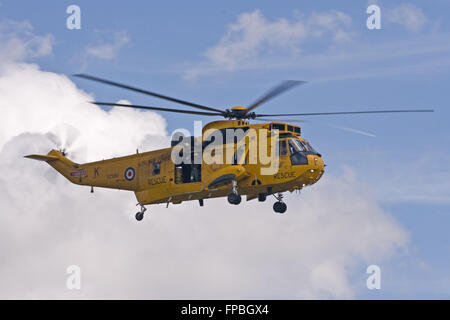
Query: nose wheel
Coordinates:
[279,206]
[140,215]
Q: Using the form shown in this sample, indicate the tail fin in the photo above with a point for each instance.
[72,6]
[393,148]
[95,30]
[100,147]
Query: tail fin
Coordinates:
[69,169]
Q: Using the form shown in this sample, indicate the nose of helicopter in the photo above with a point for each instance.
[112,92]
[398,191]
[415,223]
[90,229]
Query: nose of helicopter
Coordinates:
[317,168]
[318,162]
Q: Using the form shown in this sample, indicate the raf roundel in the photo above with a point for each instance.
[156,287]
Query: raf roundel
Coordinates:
[129,174]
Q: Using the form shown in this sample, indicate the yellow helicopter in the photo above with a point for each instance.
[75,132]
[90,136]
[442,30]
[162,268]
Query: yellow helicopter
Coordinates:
[255,160]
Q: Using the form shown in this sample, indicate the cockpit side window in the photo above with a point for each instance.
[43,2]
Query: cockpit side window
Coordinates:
[292,149]
[298,145]
[305,146]
[297,151]
[311,149]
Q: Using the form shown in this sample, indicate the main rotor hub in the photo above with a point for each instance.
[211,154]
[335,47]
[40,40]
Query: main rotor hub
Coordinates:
[239,113]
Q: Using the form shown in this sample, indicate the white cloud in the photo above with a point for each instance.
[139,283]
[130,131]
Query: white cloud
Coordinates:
[18,42]
[253,36]
[408,16]
[322,47]
[218,251]
[28,94]
[108,51]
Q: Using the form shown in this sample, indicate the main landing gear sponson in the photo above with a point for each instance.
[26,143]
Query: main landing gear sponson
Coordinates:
[279,206]
[140,215]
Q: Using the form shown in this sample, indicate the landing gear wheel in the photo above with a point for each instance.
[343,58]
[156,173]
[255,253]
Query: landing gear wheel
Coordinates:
[234,198]
[139,216]
[279,207]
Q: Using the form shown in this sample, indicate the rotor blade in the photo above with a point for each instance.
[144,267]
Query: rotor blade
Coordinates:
[78,153]
[280,120]
[71,135]
[156,108]
[342,112]
[63,135]
[120,85]
[282,87]
[54,138]
[352,130]
[364,133]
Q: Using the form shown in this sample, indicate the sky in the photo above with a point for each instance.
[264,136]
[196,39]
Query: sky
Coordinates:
[384,199]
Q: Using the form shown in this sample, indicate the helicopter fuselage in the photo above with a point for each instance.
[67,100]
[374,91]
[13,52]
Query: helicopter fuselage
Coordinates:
[155,178]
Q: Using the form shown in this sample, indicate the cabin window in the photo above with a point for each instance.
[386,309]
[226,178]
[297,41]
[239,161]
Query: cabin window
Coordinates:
[283,148]
[156,168]
[188,172]
[290,128]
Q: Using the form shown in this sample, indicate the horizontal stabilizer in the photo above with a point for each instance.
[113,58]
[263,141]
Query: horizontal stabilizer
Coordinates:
[42,158]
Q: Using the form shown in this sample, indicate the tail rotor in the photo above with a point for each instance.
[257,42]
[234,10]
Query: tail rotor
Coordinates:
[67,139]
